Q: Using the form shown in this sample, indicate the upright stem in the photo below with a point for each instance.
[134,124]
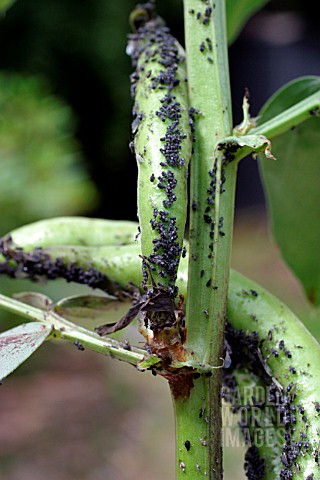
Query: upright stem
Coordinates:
[212,188]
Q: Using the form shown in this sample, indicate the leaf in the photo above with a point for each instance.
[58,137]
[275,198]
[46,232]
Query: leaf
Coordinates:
[200,367]
[89,307]
[238,12]
[124,321]
[288,95]
[149,362]
[159,301]
[19,343]
[292,186]
[35,299]
[5,5]
[246,144]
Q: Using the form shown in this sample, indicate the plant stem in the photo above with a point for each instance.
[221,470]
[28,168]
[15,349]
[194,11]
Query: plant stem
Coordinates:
[212,188]
[191,434]
[208,247]
[63,329]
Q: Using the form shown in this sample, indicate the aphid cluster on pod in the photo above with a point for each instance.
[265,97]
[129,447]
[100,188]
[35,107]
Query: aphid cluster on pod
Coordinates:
[37,263]
[162,143]
[254,466]
[279,408]
[163,133]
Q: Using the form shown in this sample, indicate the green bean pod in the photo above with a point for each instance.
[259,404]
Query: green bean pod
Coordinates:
[269,341]
[162,146]
[74,231]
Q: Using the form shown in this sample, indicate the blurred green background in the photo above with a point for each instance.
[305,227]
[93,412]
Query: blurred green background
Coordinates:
[65,114]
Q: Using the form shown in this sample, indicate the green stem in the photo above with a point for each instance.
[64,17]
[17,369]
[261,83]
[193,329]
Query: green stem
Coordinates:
[192,434]
[212,187]
[63,329]
[209,251]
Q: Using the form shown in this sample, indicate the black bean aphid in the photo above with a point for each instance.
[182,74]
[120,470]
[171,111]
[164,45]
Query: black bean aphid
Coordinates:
[126,345]
[314,111]
[79,345]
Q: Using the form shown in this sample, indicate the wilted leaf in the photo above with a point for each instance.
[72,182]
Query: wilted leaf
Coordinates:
[200,367]
[35,299]
[123,322]
[19,343]
[159,301]
[246,144]
[89,307]
[292,186]
[238,12]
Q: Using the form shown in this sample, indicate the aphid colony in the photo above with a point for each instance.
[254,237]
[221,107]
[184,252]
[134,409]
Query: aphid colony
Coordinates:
[288,415]
[162,145]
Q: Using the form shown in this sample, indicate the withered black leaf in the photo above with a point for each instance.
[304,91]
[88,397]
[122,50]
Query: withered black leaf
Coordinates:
[158,301]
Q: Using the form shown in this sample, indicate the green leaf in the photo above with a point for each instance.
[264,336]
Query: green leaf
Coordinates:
[238,12]
[19,343]
[292,186]
[149,362]
[200,367]
[5,5]
[288,95]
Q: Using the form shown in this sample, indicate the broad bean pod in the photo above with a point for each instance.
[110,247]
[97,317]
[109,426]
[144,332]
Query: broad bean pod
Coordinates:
[74,231]
[281,354]
[162,145]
